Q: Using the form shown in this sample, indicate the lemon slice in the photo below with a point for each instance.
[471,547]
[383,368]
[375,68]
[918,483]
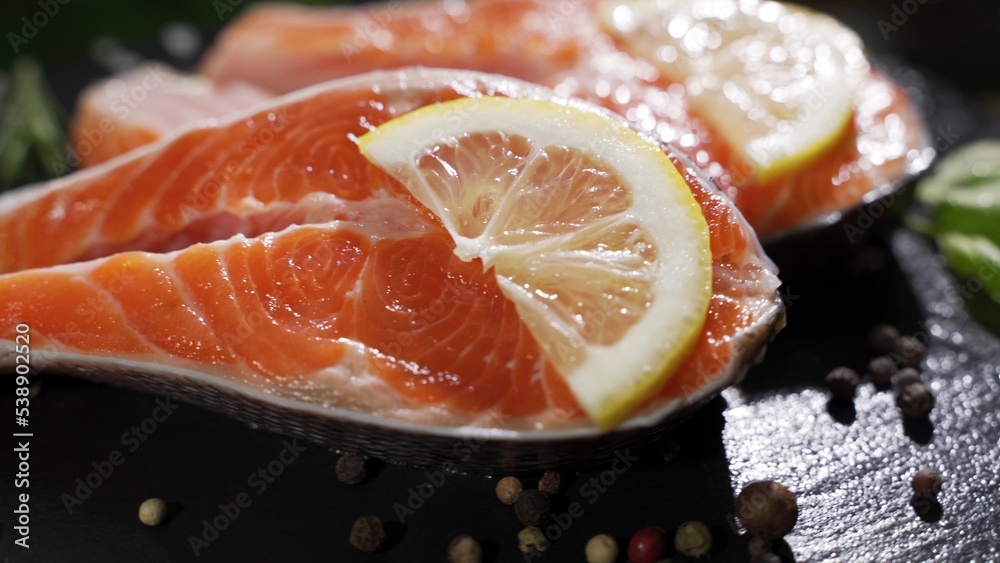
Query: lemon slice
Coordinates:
[590,230]
[776,81]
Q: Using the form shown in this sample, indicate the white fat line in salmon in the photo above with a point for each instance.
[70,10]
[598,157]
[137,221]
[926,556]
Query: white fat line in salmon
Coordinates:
[202,199]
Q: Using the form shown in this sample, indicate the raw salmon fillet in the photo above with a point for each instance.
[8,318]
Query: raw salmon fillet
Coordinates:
[559,43]
[141,105]
[263,255]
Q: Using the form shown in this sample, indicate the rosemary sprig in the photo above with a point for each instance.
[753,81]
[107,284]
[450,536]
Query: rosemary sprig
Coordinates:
[32,143]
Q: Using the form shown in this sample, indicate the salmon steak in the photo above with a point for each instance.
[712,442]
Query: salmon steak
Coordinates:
[141,105]
[263,266]
[854,133]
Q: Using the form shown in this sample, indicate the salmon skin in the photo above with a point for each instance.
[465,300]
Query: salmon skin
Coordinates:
[261,265]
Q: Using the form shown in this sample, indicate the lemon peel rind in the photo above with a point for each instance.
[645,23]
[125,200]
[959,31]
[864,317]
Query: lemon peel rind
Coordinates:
[612,380]
[790,146]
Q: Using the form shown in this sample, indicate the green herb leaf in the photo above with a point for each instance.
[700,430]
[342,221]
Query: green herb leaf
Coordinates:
[32,143]
[959,205]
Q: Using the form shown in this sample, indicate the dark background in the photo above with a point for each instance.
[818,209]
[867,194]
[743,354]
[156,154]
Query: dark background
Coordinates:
[849,466]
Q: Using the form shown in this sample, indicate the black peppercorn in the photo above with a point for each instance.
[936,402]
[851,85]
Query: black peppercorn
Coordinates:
[883,337]
[927,483]
[906,376]
[882,369]
[367,533]
[532,507]
[909,352]
[351,468]
[549,483]
[916,400]
[842,382]
[758,546]
[767,509]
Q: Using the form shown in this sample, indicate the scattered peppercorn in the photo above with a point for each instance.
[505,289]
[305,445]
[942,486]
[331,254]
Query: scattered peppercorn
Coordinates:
[927,483]
[549,483]
[906,376]
[532,507]
[601,548]
[916,400]
[509,489]
[153,511]
[464,549]
[758,546]
[767,509]
[351,468]
[647,545]
[842,383]
[532,539]
[693,539]
[882,369]
[367,533]
[909,352]
[670,449]
[883,338]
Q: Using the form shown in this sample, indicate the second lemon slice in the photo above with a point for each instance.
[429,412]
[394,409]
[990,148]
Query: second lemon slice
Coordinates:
[777,81]
[590,230]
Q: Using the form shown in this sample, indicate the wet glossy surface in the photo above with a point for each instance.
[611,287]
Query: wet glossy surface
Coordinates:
[851,471]
[850,467]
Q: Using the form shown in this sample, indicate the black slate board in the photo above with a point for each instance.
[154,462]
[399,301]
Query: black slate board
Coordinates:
[850,467]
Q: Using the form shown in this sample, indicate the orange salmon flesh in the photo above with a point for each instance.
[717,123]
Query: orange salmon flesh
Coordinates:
[267,251]
[557,43]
